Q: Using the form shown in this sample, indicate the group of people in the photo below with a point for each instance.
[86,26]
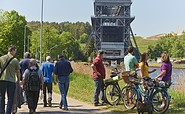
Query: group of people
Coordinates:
[131,64]
[33,78]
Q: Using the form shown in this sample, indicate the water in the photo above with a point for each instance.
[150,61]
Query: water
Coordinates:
[178,76]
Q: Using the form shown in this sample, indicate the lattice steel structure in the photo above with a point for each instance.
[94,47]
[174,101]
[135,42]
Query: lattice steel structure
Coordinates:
[111,27]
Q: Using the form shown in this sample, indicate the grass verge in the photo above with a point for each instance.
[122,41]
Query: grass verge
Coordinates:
[82,88]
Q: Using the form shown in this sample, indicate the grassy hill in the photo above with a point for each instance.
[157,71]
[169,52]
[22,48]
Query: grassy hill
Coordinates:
[143,43]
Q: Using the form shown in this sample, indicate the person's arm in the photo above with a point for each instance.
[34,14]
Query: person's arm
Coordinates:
[136,65]
[42,82]
[141,71]
[17,68]
[18,74]
[25,74]
[161,74]
[95,70]
[71,69]
[152,71]
[55,79]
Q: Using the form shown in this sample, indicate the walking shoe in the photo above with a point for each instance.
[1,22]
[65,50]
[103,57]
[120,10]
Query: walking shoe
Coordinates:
[66,109]
[60,106]
[45,105]
[49,103]
[103,103]
[31,111]
[96,104]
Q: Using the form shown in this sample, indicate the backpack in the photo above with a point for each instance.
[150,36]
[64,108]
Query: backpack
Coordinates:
[33,81]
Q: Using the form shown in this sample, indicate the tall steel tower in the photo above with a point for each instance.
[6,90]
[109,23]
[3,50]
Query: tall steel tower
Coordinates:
[111,27]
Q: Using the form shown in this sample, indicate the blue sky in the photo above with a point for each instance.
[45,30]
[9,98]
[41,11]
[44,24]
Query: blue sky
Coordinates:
[151,16]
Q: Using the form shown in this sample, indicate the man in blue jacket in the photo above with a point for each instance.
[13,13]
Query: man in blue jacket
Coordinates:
[62,70]
[47,69]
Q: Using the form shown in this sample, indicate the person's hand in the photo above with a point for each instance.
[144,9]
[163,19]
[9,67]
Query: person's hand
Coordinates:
[153,70]
[98,74]
[55,82]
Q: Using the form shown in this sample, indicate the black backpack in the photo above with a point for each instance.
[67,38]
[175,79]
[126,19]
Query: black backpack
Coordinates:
[33,81]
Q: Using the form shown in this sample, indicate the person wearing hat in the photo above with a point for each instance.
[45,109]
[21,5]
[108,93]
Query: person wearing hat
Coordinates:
[98,76]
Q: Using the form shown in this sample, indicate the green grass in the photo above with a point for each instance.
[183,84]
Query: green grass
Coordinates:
[82,88]
[144,43]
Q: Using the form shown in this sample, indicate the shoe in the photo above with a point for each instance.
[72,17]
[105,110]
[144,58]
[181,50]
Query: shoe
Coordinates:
[60,106]
[45,105]
[96,104]
[66,109]
[31,111]
[103,103]
[49,103]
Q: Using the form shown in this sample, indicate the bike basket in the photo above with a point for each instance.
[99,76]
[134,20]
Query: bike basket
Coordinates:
[111,80]
[125,76]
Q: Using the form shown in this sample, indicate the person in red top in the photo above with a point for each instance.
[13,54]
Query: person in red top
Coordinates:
[98,76]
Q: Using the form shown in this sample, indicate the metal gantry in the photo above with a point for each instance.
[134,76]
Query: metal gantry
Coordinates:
[111,27]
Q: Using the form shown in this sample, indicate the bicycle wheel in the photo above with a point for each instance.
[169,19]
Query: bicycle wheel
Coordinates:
[160,101]
[112,94]
[129,97]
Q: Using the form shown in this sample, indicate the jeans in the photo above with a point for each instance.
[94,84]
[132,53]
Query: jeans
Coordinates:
[32,99]
[98,90]
[63,84]
[47,86]
[10,88]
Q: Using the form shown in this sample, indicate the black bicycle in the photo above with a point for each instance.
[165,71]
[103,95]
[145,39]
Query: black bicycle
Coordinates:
[112,90]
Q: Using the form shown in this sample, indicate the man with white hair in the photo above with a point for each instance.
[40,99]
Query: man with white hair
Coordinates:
[47,69]
[32,83]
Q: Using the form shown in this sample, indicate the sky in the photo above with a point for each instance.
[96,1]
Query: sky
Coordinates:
[152,17]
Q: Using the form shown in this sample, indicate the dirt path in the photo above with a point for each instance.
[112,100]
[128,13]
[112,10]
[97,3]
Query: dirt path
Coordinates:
[75,107]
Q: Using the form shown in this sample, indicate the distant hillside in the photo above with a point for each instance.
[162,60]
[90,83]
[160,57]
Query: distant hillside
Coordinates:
[143,43]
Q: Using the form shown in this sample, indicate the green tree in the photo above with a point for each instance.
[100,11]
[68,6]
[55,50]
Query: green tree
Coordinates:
[69,45]
[83,38]
[12,31]
[50,40]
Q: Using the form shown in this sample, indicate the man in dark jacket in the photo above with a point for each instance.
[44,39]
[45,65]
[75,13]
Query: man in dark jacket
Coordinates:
[62,70]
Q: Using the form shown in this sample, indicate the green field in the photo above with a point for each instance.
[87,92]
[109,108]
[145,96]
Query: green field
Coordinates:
[82,88]
[144,43]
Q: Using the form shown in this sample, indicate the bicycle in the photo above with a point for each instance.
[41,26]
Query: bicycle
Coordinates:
[112,90]
[154,91]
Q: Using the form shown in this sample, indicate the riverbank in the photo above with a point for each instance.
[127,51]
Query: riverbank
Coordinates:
[174,65]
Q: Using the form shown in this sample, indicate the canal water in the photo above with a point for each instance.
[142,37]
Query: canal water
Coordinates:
[178,77]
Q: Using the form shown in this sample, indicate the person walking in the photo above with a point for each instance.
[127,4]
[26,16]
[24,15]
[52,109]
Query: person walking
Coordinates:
[32,83]
[98,76]
[47,69]
[8,79]
[24,65]
[130,60]
[62,70]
